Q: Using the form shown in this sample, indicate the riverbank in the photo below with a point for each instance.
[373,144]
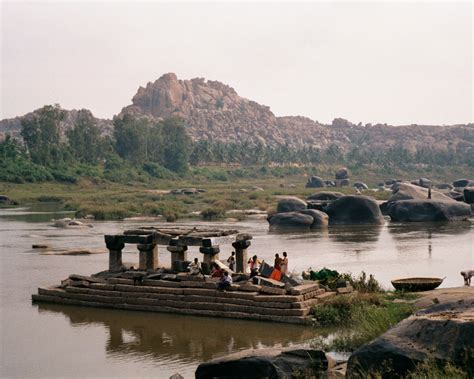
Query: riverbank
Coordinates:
[209,200]
[401,354]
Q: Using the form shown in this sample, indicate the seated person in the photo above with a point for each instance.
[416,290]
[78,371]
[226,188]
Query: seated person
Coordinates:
[225,281]
[216,271]
[194,267]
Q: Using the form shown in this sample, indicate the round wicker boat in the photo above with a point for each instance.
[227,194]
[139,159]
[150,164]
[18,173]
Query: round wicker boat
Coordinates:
[416,284]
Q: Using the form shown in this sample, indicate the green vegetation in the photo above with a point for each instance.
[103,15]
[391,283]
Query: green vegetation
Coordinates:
[365,316]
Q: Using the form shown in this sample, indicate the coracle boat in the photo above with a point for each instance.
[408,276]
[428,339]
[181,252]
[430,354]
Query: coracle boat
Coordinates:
[416,284]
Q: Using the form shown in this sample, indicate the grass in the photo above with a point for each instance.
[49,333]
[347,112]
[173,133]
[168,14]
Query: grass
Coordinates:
[364,317]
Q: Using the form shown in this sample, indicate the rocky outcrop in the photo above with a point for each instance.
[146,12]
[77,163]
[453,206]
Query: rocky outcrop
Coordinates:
[290,204]
[429,210]
[439,335]
[271,363]
[315,182]
[407,191]
[349,210]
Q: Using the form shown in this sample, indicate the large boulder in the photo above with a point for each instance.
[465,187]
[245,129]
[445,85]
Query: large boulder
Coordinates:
[428,210]
[407,191]
[442,334]
[461,183]
[469,195]
[290,204]
[320,219]
[290,220]
[271,363]
[325,196]
[342,173]
[352,209]
[315,182]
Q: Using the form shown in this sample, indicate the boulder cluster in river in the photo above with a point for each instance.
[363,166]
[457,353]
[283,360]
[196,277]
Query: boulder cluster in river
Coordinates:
[323,209]
[341,180]
[409,202]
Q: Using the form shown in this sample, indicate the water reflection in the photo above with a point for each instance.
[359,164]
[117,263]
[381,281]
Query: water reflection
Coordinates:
[179,337]
[407,230]
[355,233]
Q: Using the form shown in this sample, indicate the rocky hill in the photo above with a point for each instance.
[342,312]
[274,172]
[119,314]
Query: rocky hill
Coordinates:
[214,111]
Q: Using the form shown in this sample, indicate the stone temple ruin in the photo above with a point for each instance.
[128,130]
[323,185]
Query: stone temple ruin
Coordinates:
[154,288]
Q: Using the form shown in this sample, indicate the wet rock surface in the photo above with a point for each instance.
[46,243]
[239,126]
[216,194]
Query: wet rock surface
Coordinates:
[266,363]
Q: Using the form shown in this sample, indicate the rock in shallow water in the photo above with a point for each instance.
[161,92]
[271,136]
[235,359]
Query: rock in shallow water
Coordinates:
[290,204]
[290,220]
[428,210]
[350,210]
[266,363]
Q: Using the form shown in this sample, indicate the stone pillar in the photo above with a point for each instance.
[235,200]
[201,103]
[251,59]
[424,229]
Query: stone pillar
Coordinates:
[241,255]
[148,256]
[115,255]
[178,253]
[211,253]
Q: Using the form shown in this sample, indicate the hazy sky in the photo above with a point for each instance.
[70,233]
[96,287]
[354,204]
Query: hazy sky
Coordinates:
[394,62]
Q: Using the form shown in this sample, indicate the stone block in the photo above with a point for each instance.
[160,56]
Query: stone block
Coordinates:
[249,287]
[268,282]
[191,284]
[304,288]
[273,290]
[344,290]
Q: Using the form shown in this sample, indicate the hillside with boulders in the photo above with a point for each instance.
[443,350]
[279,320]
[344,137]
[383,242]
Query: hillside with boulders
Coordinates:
[213,111]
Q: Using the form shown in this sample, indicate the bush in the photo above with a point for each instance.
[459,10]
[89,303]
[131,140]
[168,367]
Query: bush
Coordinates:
[212,213]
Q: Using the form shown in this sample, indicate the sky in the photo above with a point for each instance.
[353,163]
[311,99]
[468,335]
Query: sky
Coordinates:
[369,62]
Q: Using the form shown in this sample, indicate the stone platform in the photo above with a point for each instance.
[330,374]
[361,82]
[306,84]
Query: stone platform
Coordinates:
[187,294]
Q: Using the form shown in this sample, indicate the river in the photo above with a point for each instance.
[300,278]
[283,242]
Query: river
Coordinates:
[69,341]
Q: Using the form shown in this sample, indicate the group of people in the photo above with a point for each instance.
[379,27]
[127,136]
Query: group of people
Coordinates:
[225,280]
[280,266]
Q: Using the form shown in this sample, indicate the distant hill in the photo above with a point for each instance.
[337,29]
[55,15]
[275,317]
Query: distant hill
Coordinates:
[214,111]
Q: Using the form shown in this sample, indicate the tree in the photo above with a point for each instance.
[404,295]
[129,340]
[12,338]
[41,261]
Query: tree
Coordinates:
[41,134]
[132,138]
[176,145]
[11,148]
[85,141]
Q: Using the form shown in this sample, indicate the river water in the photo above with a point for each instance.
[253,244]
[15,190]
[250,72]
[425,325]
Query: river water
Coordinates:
[69,341]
